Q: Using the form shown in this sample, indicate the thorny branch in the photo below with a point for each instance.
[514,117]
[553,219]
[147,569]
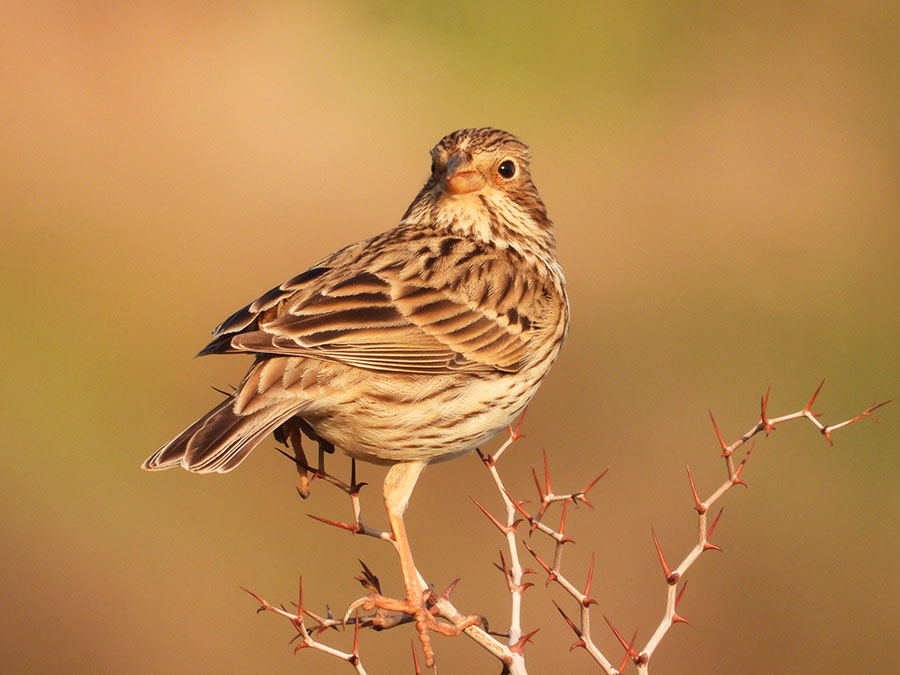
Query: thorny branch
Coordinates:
[673,576]
[510,651]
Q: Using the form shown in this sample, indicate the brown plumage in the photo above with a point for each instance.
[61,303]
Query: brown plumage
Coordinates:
[413,346]
[417,344]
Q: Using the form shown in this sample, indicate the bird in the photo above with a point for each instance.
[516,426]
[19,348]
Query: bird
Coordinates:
[414,346]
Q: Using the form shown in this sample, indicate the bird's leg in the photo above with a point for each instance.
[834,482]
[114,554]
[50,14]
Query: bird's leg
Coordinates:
[398,486]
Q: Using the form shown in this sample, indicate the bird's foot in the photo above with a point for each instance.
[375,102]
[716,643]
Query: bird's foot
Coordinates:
[390,612]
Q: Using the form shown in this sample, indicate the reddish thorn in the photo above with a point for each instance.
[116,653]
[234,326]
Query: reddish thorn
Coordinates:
[540,562]
[514,433]
[590,485]
[735,479]
[826,432]
[629,646]
[809,405]
[631,651]
[537,483]
[677,618]
[562,521]
[725,451]
[547,473]
[519,646]
[617,634]
[355,529]
[446,594]
[497,523]
[588,601]
[671,577]
[263,605]
[569,621]
[578,643]
[763,405]
[517,505]
[706,545]
[415,658]
[355,658]
[699,506]
[680,593]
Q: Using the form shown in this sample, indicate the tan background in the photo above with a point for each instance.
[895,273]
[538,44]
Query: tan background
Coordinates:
[724,178]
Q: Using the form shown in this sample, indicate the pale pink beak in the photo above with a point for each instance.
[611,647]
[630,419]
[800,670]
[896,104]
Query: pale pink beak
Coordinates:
[462,176]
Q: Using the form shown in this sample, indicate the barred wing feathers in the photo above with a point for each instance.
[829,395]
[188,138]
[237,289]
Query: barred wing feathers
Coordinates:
[462,309]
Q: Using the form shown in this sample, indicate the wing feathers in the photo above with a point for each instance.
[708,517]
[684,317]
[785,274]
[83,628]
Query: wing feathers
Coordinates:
[475,315]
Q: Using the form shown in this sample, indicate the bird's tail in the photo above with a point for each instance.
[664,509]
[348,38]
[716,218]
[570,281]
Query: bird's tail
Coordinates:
[220,440]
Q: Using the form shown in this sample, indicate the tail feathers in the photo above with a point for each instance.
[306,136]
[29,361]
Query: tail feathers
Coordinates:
[218,441]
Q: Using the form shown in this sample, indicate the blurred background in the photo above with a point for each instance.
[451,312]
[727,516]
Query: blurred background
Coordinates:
[725,181]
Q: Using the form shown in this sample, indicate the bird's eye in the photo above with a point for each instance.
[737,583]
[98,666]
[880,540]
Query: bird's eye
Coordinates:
[507,169]
[433,167]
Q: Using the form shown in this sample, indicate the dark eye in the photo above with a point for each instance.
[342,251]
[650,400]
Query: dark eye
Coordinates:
[507,169]
[433,167]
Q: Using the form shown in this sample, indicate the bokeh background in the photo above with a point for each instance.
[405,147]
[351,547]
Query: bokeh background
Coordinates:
[725,180]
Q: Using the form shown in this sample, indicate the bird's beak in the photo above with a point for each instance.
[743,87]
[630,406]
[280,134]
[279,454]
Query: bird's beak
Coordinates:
[462,176]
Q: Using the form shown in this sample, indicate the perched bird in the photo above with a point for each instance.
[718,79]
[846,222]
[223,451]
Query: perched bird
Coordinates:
[414,346]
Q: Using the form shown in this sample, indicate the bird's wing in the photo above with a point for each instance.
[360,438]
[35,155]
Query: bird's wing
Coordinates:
[404,312]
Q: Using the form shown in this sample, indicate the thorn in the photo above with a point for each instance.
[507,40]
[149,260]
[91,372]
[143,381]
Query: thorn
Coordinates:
[763,404]
[581,496]
[354,657]
[677,618]
[630,653]
[503,528]
[537,484]
[725,451]
[263,605]
[415,658]
[551,575]
[680,593]
[588,601]
[446,594]
[629,646]
[514,432]
[706,545]
[671,577]
[517,505]
[562,525]
[547,474]
[809,405]
[355,529]
[699,506]
[736,479]
[519,646]
[575,629]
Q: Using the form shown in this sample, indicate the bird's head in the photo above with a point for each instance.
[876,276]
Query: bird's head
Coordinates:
[480,186]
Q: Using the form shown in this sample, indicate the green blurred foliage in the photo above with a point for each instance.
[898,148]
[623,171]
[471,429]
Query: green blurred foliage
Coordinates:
[724,178]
